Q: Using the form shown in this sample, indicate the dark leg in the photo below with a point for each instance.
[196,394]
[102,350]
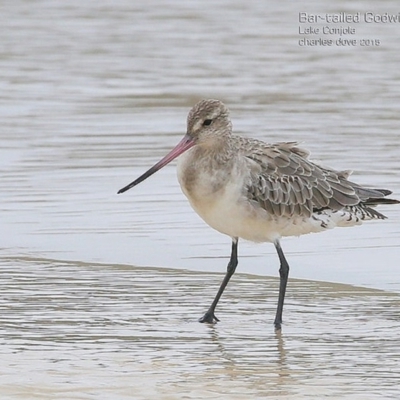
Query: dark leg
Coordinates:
[233,262]
[284,274]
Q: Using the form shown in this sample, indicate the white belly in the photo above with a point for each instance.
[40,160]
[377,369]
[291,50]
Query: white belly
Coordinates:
[219,198]
[225,207]
[230,213]
[235,218]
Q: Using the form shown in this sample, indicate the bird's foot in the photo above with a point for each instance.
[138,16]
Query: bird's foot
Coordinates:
[278,326]
[209,317]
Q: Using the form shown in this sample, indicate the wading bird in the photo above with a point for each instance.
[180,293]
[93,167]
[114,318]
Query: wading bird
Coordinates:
[261,192]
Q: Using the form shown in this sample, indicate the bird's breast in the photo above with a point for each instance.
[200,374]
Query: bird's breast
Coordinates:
[216,192]
[203,178]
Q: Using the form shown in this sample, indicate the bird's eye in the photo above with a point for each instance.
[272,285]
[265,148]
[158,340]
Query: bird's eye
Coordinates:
[207,122]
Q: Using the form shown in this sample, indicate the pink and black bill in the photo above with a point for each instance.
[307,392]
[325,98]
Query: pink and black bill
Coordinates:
[185,144]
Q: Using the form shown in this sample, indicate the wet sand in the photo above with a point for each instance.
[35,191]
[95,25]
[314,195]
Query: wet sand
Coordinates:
[96,331]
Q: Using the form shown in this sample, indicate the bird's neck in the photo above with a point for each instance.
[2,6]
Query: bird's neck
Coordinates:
[217,148]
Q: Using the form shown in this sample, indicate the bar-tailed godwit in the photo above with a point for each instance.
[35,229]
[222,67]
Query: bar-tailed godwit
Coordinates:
[249,189]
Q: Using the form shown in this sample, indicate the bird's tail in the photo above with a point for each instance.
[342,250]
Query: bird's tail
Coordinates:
[374,201]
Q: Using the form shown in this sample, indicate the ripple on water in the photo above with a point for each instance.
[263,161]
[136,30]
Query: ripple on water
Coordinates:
[95,329]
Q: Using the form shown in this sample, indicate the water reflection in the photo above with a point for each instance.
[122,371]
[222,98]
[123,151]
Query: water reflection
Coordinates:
[135,330]
[94,93]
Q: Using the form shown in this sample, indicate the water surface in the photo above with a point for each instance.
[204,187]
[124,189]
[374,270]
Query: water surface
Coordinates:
[92,94]
[97,331]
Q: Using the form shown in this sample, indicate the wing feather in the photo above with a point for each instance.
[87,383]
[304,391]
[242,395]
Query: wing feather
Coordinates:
[285,182]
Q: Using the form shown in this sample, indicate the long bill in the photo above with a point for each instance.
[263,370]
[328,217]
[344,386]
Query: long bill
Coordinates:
[185,144]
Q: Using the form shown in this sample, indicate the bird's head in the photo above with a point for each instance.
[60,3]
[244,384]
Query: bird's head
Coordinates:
[208,123]
[208,126]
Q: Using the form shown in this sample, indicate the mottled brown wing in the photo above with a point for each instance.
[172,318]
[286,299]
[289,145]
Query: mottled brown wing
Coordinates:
[286,183]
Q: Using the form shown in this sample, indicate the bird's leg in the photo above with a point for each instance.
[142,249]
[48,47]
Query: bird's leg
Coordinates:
[233,262]
[284,274]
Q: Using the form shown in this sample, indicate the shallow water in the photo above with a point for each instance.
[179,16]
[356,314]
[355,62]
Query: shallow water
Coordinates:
[90,331]
[92,94]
